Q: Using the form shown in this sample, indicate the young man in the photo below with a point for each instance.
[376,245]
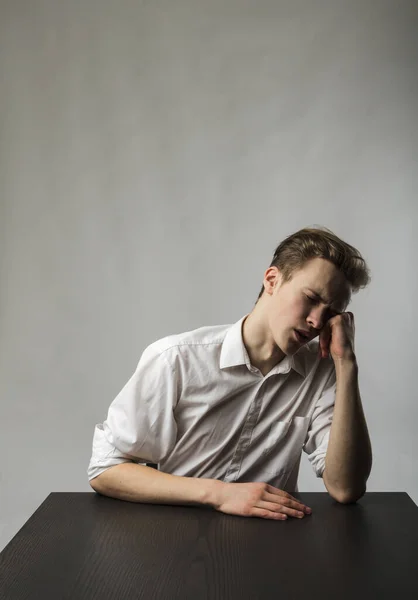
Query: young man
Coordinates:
[226,410]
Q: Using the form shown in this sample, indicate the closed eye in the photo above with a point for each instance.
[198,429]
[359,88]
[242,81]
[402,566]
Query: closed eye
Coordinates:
[316,300]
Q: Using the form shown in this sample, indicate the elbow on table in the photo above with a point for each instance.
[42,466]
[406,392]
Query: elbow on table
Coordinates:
[344,496]
[347,497]
[95,484]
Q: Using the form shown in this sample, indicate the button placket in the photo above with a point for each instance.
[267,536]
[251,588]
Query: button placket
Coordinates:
[245,437]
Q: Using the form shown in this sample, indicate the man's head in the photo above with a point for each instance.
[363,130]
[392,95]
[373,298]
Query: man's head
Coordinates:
[311,278]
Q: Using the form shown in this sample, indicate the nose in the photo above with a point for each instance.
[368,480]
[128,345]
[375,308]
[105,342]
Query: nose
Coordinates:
[317,319]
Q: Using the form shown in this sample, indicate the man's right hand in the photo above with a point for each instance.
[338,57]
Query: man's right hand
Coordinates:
[257,499]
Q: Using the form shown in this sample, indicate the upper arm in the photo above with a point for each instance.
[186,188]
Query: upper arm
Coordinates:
[140,425]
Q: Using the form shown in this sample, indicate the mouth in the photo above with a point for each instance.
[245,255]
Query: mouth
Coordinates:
[301,338]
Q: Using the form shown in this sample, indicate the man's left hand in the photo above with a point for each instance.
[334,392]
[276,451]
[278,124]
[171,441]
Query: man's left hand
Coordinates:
[337,337]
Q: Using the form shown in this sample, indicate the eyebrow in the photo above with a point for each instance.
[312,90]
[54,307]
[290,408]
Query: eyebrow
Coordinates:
[323,301]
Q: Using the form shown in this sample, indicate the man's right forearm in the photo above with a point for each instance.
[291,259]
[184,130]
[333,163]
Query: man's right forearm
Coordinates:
[138,483]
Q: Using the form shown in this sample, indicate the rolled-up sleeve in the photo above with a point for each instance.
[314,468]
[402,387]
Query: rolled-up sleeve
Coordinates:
[317,437]
[140,425]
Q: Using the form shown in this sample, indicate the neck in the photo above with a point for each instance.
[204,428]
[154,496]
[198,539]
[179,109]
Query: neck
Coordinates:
[263,351]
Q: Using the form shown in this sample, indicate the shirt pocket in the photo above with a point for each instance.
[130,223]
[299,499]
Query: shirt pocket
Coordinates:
[287,438]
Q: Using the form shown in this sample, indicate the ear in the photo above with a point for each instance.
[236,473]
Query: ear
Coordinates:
[271,280]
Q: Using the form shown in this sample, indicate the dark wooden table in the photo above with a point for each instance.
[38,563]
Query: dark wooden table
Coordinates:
[82,546]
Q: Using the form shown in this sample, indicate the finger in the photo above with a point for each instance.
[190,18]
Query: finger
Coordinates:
[322,347]
[279,492]
[280,508]
[276,491]
[324,340]
[267,514]
[288,496]
[284,501]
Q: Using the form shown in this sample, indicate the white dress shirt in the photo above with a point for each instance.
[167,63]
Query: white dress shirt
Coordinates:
[197,407]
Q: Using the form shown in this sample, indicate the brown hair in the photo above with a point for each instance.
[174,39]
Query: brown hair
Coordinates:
[319,242]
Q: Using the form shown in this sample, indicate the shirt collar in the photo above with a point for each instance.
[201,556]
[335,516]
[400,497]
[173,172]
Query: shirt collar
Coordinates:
[234,353]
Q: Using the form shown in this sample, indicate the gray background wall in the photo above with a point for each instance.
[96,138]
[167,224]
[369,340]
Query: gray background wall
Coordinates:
[153,154]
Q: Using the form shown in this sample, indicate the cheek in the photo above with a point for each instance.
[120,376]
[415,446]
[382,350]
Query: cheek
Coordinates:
[291,314]
[298,310]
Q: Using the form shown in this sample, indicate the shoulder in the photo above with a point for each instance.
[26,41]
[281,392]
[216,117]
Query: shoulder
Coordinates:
[207,336]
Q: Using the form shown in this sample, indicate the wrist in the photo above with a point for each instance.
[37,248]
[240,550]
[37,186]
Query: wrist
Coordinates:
[212,491]
[348,365]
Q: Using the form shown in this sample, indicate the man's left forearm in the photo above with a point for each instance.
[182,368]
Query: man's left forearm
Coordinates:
[348,461]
